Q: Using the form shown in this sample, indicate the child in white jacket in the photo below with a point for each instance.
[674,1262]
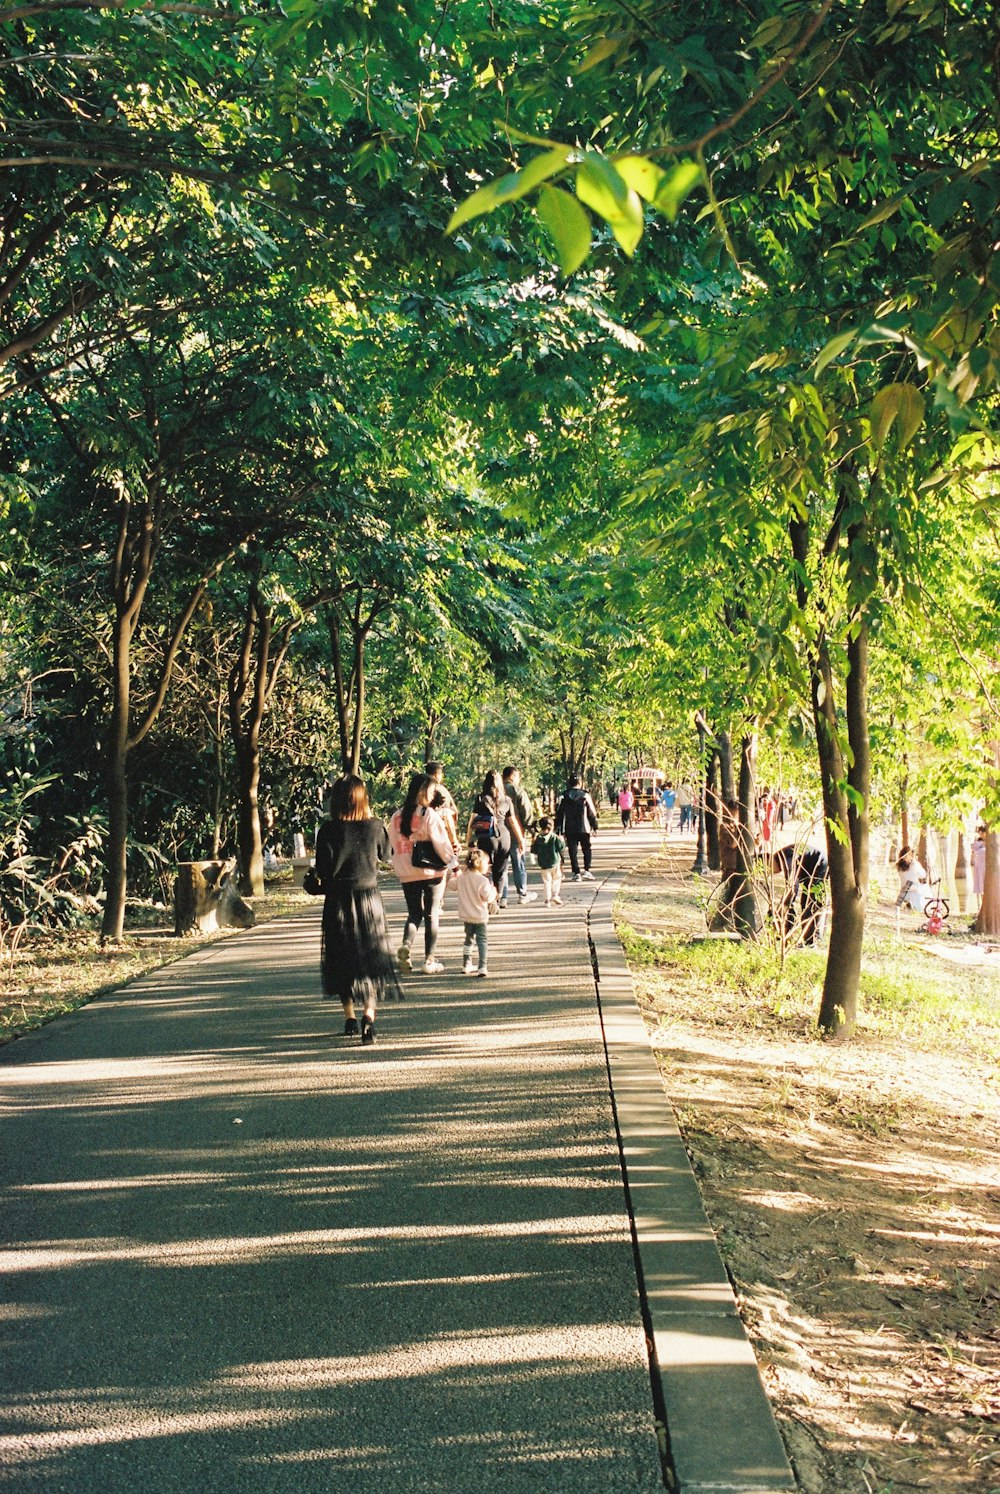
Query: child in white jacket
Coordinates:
[476,900]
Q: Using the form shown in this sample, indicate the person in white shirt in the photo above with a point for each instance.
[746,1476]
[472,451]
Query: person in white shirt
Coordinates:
[912,881]
[476,899]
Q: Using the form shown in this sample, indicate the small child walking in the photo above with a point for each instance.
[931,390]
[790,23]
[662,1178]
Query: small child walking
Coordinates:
[476,899]
[547,849]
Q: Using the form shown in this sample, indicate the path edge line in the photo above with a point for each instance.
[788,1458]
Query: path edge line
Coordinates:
[720,1432]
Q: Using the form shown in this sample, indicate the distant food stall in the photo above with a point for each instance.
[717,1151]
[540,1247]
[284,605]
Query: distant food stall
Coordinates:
[645,783]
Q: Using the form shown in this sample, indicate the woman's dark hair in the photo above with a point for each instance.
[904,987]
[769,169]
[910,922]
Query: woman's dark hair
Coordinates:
[493,792]
[419,786]
[349,799]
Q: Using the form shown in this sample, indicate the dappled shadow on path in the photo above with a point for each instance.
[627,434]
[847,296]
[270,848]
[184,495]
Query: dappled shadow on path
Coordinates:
[242,1251]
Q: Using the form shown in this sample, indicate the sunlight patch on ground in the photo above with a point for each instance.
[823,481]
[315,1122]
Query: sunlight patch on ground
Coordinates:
[56,1255]
[573,1345]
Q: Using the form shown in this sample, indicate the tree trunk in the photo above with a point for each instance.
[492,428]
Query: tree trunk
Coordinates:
[745,913]
[988,917]
[358,673]
[218,769]
[430,735]
[248,833]
[727,777]
[116,780]
[712,813]
[847,853]
[961,874]
[924,854]
[845,789]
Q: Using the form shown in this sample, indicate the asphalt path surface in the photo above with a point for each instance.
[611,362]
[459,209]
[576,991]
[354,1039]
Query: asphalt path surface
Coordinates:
[240,1251]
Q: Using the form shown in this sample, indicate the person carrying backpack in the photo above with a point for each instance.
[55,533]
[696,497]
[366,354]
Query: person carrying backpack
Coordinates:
[493,827]
[576,818]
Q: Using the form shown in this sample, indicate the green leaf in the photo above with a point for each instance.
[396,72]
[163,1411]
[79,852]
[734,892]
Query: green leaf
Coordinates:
[901,405]
[599,185]
[833,349]
[885,407]
[511,134]
[510,187]
[910,416]
[642,175]
[568,224]
[606,47]
[484,200]
[678,182]
[539,170]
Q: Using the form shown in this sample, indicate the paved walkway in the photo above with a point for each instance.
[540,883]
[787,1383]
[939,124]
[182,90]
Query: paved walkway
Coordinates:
[241,1252]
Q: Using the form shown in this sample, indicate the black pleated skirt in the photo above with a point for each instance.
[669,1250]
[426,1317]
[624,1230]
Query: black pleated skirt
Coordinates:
[356,962]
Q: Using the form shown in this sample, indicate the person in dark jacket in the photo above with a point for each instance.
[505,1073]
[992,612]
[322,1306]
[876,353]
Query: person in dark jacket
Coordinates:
[576,819]
[805,872]
[356,962]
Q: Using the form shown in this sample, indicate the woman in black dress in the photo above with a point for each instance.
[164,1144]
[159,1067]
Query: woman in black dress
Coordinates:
[356,962]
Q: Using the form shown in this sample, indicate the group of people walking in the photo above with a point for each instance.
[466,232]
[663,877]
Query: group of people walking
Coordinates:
[659,805]
[426,852]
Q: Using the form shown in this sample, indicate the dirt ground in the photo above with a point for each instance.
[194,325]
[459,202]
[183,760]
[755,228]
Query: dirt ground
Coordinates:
[855,1193]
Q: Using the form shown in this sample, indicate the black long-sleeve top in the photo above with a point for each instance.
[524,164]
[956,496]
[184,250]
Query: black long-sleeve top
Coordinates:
[349,851]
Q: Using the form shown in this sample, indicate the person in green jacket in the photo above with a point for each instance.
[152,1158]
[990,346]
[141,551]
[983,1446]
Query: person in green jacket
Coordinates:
[548,850]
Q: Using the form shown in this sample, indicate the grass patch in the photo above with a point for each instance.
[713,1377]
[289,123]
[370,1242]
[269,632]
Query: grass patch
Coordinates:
[906,991]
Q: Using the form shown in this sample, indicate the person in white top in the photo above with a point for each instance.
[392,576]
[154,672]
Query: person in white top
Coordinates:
[476,899]
[422,853]
[912,881]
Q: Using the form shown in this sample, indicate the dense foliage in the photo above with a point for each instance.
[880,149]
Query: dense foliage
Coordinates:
[294,479]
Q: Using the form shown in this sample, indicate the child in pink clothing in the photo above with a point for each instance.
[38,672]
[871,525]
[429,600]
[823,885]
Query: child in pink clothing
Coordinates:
[476,900]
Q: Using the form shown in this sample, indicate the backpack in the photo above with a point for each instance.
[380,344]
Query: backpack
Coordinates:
[484,827]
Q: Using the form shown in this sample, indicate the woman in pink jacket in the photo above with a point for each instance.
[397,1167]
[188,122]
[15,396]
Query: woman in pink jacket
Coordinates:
[422,855]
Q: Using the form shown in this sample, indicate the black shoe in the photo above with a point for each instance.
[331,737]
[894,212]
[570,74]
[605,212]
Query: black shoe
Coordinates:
[351,1028]
[367,1030]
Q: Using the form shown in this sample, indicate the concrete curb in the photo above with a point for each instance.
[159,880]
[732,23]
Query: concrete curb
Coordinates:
[721,1429]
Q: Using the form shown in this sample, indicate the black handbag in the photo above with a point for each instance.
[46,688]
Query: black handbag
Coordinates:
[425,857]
[311,882]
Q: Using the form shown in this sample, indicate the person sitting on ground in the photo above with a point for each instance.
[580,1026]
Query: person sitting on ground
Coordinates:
[548,848]
[912,881]
[805,870]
